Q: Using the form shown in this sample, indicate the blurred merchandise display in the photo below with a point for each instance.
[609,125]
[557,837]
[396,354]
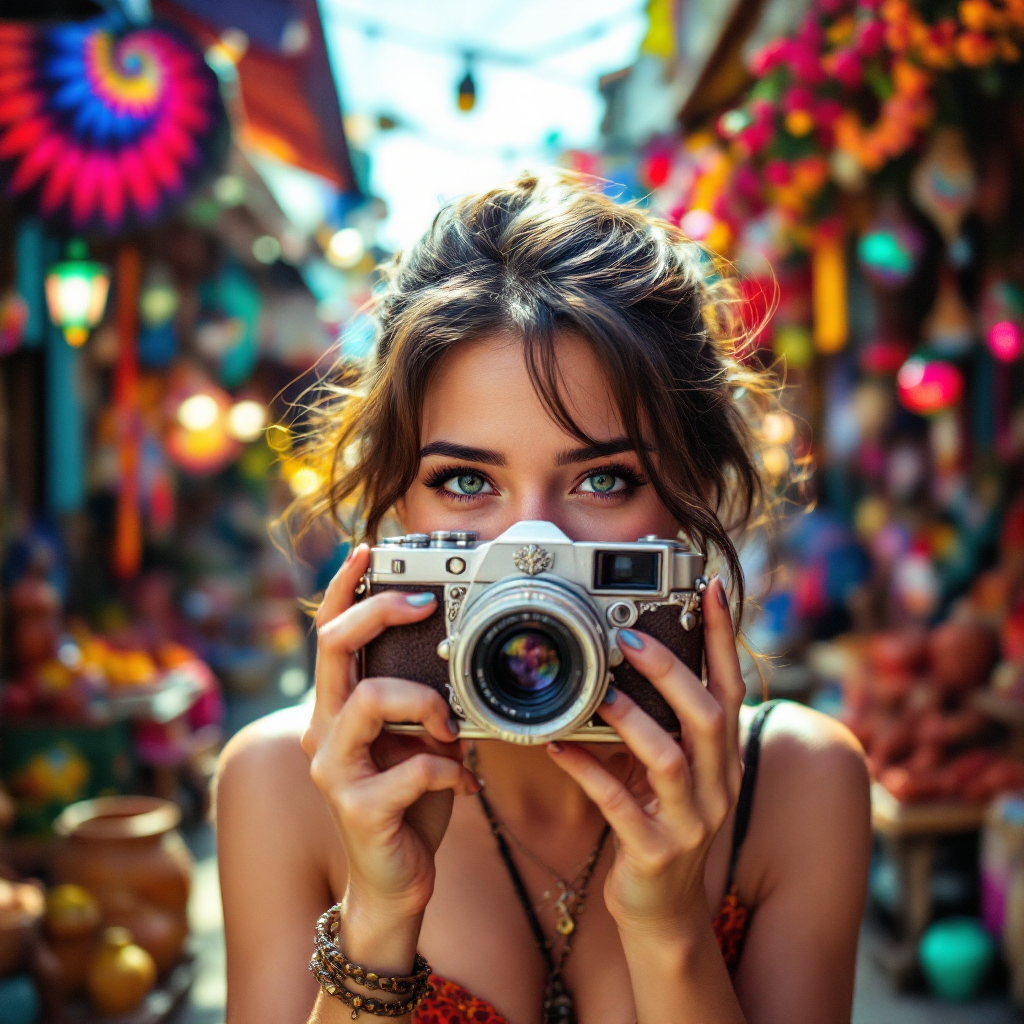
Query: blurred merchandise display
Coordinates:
[857,167]
[178,248]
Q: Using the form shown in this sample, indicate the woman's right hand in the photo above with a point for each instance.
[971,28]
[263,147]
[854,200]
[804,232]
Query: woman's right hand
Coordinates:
[390,795]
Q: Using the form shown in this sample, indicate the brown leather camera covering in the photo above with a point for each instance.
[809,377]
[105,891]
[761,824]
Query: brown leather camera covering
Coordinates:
[410,652]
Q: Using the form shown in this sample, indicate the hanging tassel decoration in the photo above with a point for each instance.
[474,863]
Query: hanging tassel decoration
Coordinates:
[128,523]
[828,273]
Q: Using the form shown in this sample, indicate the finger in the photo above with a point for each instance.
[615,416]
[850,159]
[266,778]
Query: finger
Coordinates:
[701,717]
[665,760]
[725,679]
[376,701]
[392,792]
[617,805]
[347,633]
[340,593]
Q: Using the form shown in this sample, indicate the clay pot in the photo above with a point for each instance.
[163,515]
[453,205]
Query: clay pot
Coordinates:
[126,852]
[961,655]
[21,910]
[122,974]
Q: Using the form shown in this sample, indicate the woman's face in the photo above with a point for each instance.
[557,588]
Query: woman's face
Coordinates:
[491,455]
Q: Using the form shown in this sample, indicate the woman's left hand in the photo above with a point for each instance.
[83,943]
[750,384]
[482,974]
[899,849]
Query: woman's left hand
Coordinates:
[657,879]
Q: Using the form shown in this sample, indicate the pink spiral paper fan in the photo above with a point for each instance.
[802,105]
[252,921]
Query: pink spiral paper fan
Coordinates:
[103,128]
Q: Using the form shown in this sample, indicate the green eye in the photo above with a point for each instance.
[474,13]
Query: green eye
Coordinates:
[467,483]
[603,483]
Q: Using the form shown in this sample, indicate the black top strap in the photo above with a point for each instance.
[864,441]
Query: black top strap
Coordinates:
[745,803]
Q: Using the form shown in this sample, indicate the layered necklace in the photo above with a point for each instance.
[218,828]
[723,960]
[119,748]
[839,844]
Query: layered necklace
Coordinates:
[569,906]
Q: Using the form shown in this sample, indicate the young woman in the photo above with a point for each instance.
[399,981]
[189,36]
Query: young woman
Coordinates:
[545,354]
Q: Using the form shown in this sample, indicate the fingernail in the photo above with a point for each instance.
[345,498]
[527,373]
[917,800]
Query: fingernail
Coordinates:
[453,724]
[723,599]
[420,600]
[555,747]
[630,639]
[609,695]
[479,784]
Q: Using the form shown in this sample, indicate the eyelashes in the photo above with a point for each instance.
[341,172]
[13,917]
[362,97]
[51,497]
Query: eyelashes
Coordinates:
[438,478]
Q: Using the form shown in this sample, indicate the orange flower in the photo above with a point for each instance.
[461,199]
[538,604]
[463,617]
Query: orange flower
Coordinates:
[1015,13]
[799,123]
[975,50]
[937,51]
[976,15]
[1009,52]
[810,175]
[910,80]
[841,30]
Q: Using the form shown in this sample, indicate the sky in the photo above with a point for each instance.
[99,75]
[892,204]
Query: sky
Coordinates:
[405,58]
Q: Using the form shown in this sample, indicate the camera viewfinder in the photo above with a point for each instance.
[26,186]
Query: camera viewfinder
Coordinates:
[627,570]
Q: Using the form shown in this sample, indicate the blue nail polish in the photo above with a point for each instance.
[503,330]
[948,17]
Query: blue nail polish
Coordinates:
[609,695]
[420,600]
[630,639]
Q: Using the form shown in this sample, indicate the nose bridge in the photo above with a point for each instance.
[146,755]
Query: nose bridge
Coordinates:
[537,504]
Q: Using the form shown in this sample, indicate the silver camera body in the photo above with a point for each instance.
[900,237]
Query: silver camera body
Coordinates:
[523,643]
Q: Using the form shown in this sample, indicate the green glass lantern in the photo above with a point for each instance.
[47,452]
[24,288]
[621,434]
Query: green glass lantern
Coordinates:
[76,293]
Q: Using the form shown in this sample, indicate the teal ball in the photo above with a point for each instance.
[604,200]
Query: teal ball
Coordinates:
[19,1002]
[955,955]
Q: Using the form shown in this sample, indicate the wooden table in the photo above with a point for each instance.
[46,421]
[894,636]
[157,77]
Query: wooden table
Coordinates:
[911,831]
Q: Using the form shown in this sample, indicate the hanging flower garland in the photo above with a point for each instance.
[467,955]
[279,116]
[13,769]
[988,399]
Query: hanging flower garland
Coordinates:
[803,125]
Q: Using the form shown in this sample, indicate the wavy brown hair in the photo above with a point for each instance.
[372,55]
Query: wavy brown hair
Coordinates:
[532,259]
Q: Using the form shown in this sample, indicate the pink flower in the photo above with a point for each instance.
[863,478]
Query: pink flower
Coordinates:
[776,172]
[870,38]
[745,183]
[827,112]
[769,57]
[762,111]
[804,63]
[847,68]
[756,137]
[798,98]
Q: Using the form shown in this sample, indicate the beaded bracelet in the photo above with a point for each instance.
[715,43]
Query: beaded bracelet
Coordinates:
[332,968]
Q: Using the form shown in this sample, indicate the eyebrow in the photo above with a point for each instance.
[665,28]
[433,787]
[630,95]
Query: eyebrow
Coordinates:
[569,457]
[600,450]
[464,452]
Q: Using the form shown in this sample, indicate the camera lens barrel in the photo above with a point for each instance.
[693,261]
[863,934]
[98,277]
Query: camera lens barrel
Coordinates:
[530,660]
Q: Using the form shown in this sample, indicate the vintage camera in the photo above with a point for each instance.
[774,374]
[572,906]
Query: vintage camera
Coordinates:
[522,643]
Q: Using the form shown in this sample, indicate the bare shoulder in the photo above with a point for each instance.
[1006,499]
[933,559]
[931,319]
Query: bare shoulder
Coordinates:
[797,738]
[266,748]
[263,769]
[812,798]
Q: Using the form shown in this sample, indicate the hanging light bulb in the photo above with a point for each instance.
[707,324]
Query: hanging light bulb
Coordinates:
[467,89]
[76,293]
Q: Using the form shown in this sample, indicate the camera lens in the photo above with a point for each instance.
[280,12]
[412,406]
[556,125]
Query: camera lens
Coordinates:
[527,667]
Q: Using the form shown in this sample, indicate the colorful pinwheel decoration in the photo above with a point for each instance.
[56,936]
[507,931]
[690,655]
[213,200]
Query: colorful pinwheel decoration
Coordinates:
[105,128]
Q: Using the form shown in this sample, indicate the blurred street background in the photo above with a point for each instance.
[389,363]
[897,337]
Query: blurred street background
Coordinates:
[194,198]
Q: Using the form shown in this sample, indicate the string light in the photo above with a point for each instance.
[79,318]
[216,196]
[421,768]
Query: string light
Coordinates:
[467,90]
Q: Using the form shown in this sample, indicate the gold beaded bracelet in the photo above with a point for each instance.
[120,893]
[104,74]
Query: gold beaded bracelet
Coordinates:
[332,968]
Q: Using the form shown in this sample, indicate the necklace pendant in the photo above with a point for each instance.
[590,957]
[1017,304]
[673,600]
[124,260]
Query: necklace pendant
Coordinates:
[558,1005]
[566,924]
